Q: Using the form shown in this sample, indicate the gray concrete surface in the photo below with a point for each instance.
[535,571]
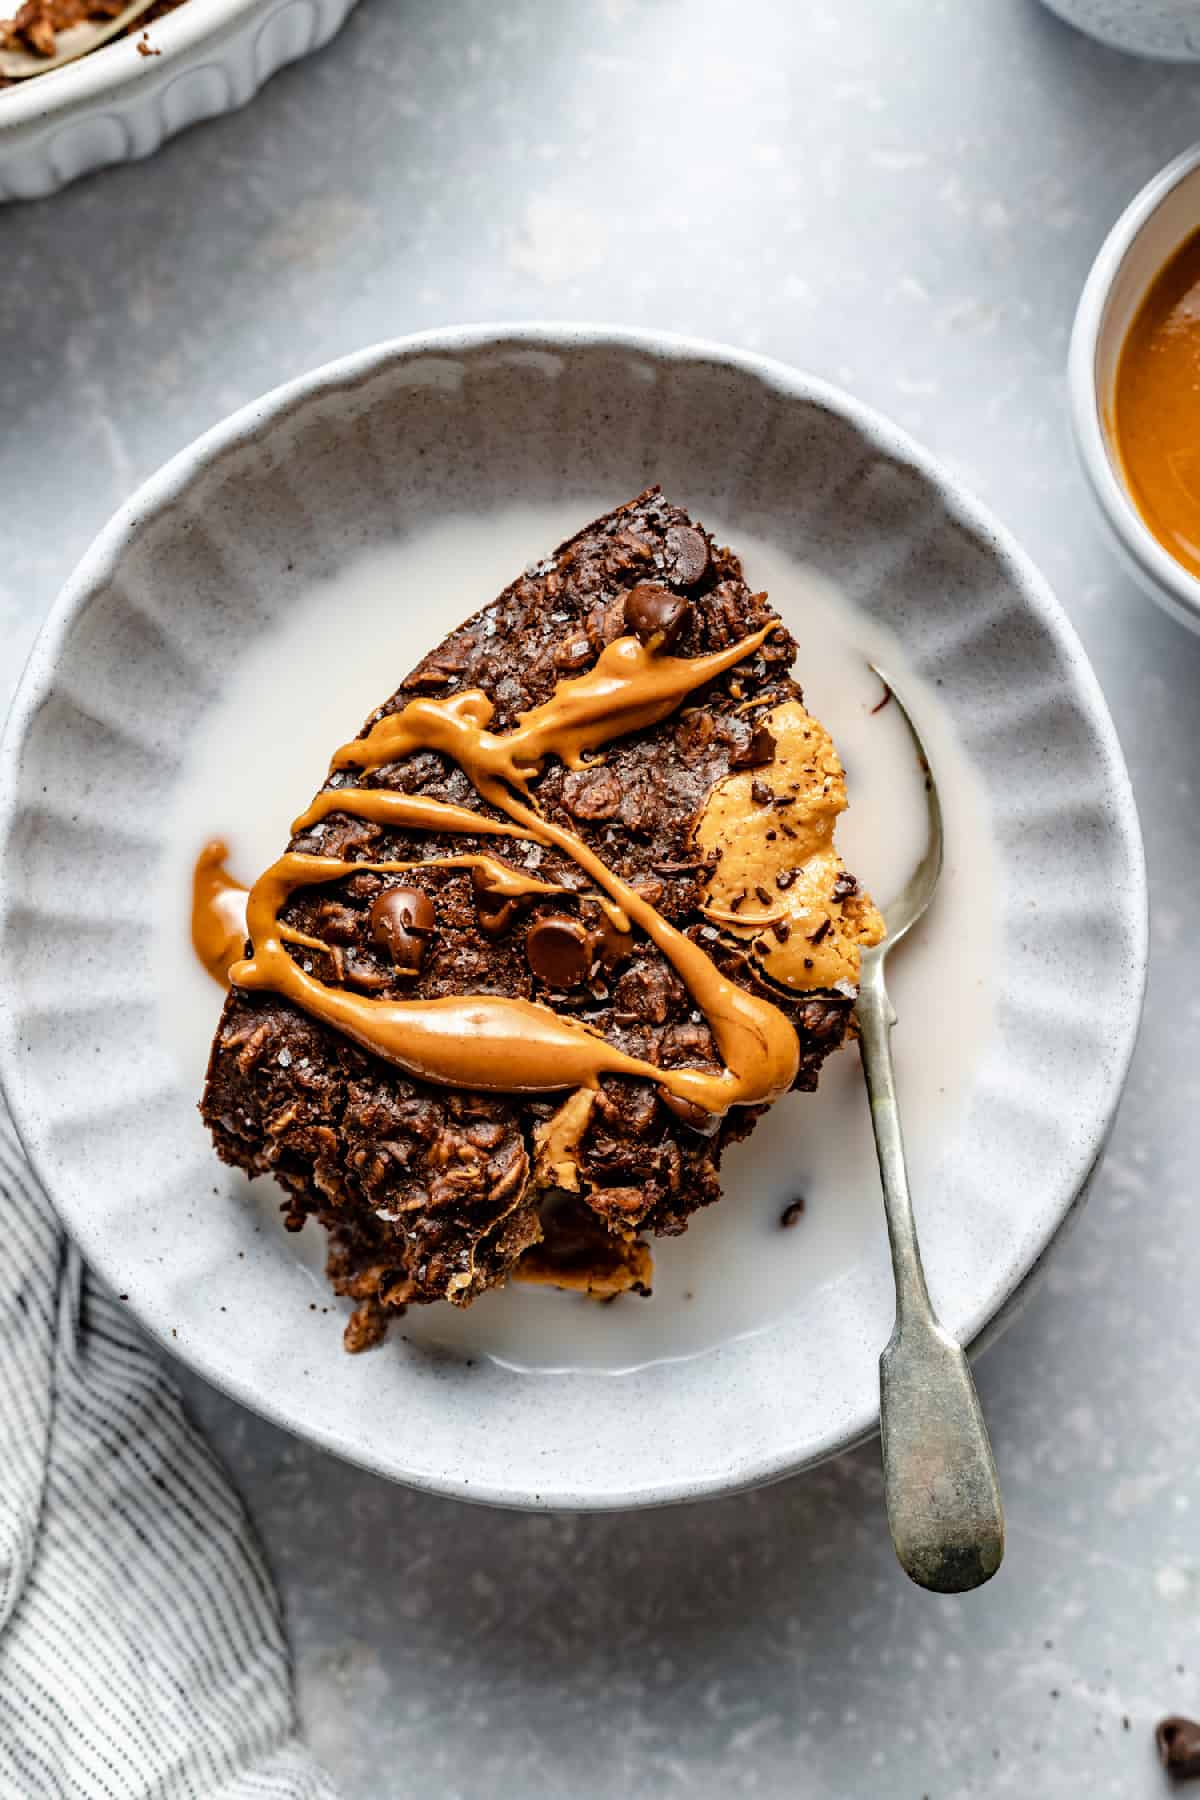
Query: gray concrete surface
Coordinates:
[903,197]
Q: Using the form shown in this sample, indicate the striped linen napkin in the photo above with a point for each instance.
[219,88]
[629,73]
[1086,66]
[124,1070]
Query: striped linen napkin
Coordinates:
[142,1654]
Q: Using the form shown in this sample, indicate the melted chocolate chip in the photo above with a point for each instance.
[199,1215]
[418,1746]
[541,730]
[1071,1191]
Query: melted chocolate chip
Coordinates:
[1178,1743]
[402,920]
[753,748]
[687,554]
[654,612]
[559,951]
[762,747]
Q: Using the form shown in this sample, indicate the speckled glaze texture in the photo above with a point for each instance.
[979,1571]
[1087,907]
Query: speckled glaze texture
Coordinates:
[1163,28]
[352,456]
[119,104]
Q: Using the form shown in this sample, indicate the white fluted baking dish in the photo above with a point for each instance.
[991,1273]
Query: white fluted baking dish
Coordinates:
[117,104]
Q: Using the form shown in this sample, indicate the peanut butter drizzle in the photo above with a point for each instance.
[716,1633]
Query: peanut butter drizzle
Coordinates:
[491,1041]
[218,913]
[629,688]
[477,1041]
[383,807]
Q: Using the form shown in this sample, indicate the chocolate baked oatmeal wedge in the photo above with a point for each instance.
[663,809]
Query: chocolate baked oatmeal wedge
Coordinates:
[565,918]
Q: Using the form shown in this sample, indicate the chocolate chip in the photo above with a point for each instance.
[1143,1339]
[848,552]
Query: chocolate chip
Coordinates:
[792,1213]
[559,951]
[760,793]
[785,877]
[762,896]
[783,932]
[820,933]
[691,1115]
[844,886]
[402,920]
[1178,1743]
[687,551]
[762,747]
[654,612]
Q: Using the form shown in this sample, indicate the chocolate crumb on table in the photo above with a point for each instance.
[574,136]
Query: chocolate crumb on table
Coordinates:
[792,1213]
[1178,1742]
[433,1190]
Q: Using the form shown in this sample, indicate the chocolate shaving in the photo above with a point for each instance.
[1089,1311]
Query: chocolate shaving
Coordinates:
[821,932]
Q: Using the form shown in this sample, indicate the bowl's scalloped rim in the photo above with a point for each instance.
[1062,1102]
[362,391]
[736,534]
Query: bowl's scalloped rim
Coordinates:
[164,487]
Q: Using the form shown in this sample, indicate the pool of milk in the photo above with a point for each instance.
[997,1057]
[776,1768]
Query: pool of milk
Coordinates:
[737,1269]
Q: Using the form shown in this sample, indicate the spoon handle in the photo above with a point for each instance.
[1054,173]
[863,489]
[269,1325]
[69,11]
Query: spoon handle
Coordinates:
[943,1498]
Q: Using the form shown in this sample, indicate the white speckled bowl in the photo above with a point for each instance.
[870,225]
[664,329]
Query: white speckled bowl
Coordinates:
[356,455]
[116,104]
[1155,224]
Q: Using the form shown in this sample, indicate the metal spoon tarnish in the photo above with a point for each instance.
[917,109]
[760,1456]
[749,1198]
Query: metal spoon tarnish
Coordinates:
[943,1498]
[71,43]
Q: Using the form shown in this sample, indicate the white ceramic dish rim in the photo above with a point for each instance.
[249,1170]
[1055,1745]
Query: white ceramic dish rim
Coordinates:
[168,485]
[118,63]
[1153,564]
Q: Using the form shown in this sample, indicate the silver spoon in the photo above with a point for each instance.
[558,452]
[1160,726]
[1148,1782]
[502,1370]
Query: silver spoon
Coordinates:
[943,1498]
[75,41]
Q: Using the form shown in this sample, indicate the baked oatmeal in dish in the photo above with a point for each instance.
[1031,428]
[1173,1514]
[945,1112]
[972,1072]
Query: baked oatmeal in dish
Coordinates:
[35,26]
[565,919]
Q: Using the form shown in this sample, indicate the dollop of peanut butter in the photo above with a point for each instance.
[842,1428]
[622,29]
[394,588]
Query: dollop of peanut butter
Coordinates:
[776,882]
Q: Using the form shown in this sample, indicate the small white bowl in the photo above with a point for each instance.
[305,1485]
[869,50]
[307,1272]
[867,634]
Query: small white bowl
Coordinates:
[118,104]
[1145,237]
